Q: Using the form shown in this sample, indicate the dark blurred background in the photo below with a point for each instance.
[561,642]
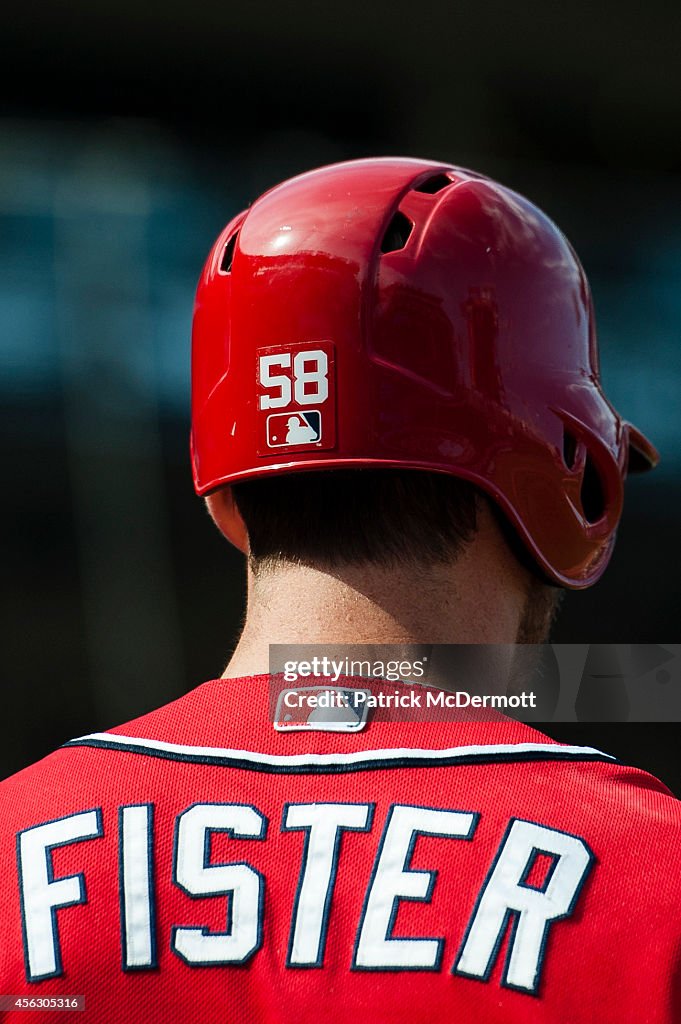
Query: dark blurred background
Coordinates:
[129,135]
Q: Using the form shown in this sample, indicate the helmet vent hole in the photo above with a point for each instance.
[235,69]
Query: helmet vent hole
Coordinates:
[591,495]
[397,234]
[228,255]
[435,184]
[569,449]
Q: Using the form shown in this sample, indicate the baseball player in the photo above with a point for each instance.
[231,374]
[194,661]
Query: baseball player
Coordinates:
[398,418]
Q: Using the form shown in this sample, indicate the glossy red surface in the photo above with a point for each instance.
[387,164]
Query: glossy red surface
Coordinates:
[470,350]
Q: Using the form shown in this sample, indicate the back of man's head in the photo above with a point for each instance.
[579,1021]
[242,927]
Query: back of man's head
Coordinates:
[388,517]
[395,364]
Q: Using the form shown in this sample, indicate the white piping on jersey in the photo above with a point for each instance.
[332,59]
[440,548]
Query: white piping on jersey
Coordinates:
[401,754]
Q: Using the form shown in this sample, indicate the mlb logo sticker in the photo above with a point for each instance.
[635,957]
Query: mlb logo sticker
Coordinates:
[296,398]
[298,428]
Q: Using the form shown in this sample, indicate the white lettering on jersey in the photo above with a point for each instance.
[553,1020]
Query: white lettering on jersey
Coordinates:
[324,824]
[393,881]
[242,884]
[506,895]
[135,837]
[42,894]
[535,880]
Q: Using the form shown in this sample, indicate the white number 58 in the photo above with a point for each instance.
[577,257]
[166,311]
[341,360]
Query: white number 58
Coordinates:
[285,386]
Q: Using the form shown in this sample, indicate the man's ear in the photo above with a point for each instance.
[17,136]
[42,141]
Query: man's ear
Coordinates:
[227,518]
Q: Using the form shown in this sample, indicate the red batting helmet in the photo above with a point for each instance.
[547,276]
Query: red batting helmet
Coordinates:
[403,313]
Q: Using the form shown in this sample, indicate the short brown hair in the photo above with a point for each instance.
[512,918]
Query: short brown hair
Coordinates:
[357,516]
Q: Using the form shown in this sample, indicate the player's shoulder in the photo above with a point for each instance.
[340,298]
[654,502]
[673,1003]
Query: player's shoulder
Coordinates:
[578,787]
[612,800]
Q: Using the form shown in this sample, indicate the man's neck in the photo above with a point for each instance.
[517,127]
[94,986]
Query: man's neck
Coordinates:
[406,606]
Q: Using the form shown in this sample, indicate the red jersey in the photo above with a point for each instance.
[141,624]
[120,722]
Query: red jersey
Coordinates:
[199,864]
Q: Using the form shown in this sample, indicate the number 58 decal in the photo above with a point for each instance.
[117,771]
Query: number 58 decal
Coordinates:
[296,397]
